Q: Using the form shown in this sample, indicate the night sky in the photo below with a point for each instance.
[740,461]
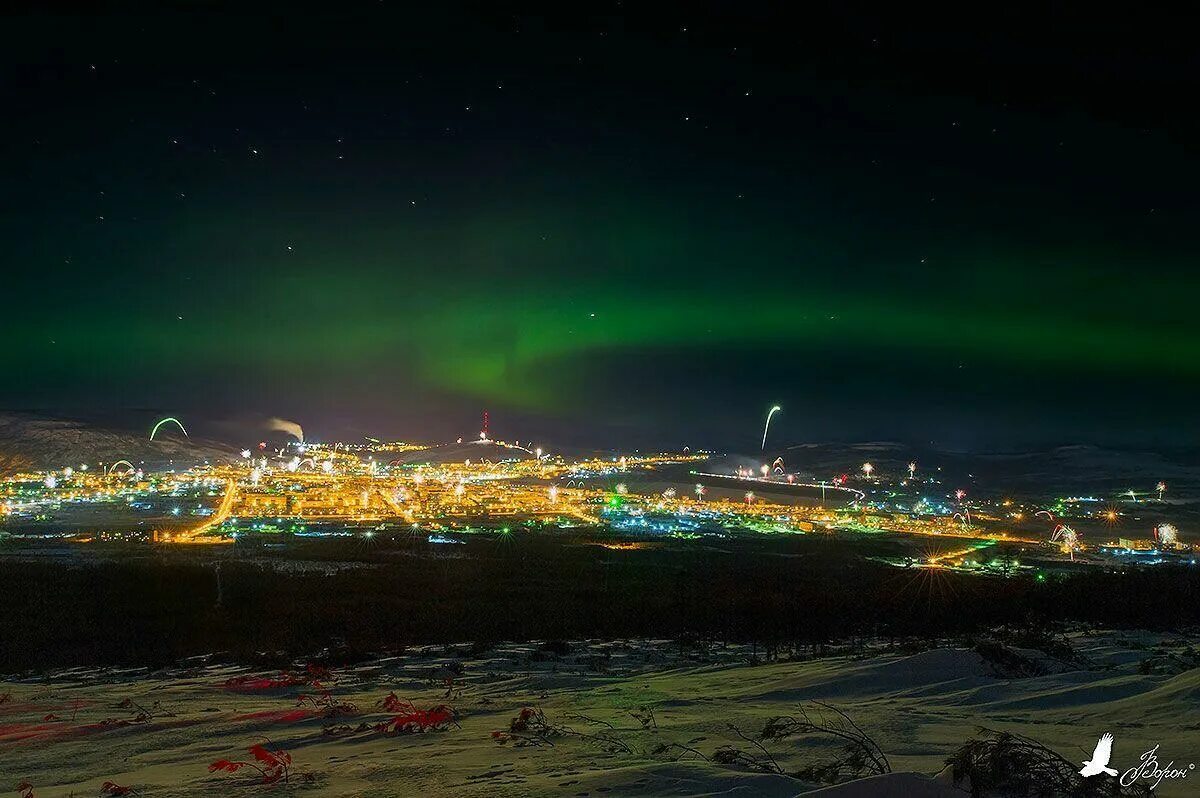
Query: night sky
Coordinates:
[611,223]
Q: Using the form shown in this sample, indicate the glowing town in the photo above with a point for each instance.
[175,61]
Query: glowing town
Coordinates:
[489,486]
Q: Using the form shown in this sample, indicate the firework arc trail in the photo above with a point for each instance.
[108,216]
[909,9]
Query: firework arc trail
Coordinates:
[172,420]
[774,409]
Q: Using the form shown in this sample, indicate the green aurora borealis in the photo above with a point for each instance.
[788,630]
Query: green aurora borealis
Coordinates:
[924,261]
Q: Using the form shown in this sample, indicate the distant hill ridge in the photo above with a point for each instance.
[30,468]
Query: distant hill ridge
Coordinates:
[37,442]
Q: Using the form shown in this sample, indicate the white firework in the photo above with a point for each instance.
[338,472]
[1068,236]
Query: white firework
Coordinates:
[1067,539]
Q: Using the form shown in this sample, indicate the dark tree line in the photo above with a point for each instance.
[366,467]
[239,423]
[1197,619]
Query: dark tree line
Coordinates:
[153,611]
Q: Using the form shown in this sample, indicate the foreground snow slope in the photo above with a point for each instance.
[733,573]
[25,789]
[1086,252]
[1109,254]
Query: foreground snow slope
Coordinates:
[645,716]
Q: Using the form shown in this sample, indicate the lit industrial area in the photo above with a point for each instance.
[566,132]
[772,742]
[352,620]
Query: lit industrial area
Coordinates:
[443,493]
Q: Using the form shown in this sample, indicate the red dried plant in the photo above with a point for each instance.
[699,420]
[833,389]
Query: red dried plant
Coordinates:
[410,720]
[273,766]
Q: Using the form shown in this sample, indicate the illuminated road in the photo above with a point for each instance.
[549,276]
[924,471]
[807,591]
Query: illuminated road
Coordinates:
[222,513]
[824,486]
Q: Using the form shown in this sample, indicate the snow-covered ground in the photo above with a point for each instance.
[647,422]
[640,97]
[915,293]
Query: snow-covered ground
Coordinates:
[632,718]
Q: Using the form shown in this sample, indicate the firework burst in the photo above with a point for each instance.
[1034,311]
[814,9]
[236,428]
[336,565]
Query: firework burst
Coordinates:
[1166,535]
